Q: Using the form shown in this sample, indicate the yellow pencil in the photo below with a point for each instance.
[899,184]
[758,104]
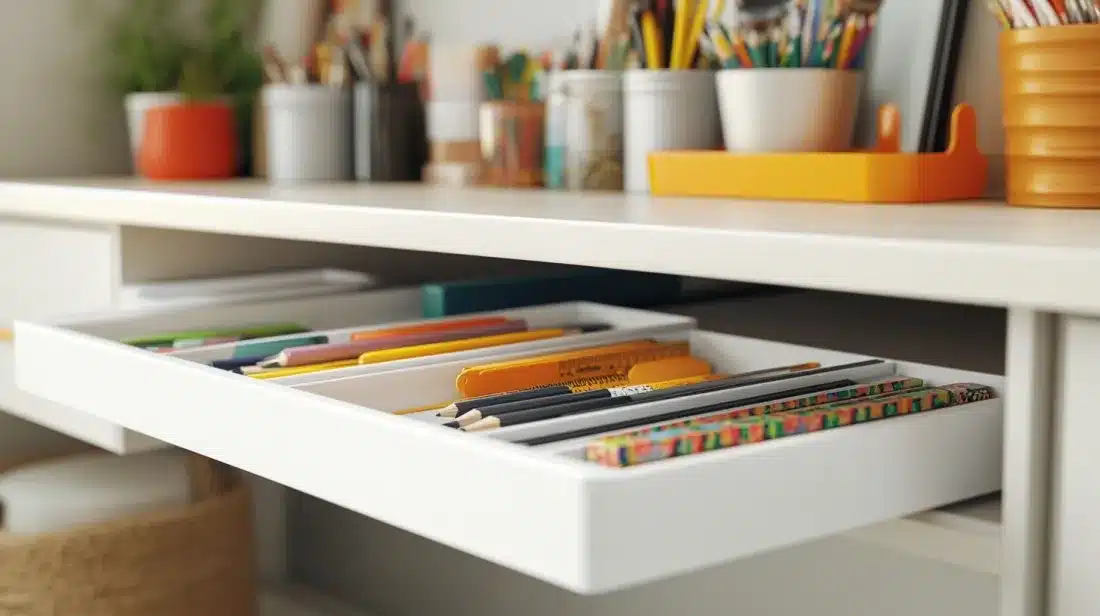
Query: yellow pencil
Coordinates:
[653,43]
[679,32]
[309,369]
[439,348]
[722,45]
[692,42]
[719,8]
[846,42]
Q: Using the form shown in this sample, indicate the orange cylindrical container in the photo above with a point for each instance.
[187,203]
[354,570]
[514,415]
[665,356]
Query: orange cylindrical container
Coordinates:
[191,141]
[1051,87]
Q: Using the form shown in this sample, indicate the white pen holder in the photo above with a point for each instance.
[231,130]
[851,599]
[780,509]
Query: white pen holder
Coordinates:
[789,109]
[593,129]
[309,133]
[553,158]
[666,110]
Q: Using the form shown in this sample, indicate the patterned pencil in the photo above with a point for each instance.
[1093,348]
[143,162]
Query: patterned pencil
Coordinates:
[627,450]
[862,390]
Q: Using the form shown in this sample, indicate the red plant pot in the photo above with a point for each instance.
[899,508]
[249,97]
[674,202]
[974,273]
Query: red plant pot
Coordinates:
[189,142]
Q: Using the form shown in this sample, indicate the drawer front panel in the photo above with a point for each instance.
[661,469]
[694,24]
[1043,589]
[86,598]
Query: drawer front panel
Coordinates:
[537,510]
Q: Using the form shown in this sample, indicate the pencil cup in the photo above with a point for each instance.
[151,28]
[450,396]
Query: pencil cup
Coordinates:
[1051,88]
[512,143]
[390,140]
[554,139]
[594,130]
[309,133]
[666,110]
[789,109]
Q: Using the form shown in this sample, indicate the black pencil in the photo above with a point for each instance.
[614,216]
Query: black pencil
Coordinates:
[590,405]
[463,406]
[628,424]
[485,409]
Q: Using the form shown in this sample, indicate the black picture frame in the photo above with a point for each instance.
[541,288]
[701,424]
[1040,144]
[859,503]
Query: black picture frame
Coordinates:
[913,63]
[936,132]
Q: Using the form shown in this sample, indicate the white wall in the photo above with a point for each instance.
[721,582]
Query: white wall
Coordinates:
[56,118]
[539,23]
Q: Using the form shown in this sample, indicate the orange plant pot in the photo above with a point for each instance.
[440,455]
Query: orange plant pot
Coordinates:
[189,142]
[1051,85]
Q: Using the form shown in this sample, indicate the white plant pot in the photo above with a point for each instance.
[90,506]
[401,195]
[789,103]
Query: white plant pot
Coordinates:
[137,104]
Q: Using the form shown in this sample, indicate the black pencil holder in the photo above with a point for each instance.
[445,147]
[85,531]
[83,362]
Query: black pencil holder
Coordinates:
[391,143]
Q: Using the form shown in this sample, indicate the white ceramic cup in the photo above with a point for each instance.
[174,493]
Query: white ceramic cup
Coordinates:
[666,110]
[789,109]
[309,133]
[593,129]
[137,104]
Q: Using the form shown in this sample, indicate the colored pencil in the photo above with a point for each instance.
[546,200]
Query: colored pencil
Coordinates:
[671,415]
[469,344]
[587,406]
[316,354]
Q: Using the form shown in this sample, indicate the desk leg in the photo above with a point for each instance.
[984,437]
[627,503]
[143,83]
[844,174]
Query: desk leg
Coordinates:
[1028,404]
[1074,585]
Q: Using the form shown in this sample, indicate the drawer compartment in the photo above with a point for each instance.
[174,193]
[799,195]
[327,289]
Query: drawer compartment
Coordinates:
[539,510]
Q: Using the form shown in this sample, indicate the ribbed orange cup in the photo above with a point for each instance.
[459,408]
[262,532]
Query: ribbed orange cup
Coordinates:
[1051,85]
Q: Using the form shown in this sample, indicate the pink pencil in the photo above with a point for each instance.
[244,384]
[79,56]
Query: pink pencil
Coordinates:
[320,353]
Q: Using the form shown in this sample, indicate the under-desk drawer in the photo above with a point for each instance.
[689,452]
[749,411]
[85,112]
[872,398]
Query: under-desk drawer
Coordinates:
[540,510]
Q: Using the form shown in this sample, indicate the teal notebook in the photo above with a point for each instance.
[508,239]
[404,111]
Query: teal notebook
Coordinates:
[631,289]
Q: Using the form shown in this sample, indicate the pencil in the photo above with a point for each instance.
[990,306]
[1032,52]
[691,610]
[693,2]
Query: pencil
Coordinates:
[683,18]
[320,353]
[628,424]
[277,373]
[587,406]
[653,45]
[431,326]
[756,50]
[638,374]
[591,406]
[850,30]
[697,369]
[742,52]
[696,32]
[500,410]
[469,344]
[722,45]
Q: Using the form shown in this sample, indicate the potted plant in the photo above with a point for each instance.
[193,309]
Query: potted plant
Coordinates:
[196,138]
[144,52]
[148,42]
[229,39]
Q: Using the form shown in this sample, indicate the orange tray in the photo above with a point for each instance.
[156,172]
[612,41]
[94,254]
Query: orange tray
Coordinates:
[882,174]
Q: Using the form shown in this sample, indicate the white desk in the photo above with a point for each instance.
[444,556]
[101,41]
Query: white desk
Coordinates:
[1038,264]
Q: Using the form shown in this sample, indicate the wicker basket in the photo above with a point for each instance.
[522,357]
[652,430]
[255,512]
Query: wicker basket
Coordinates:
[184,561]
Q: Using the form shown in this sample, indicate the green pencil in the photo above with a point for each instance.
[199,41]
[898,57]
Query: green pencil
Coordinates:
[243,333]
[757,50]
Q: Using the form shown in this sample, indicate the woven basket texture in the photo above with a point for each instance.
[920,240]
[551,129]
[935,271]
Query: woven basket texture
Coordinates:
[194,560]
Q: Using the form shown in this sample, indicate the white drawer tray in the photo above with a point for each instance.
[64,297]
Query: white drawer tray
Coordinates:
[319,313]
[627,324]
[537,510]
